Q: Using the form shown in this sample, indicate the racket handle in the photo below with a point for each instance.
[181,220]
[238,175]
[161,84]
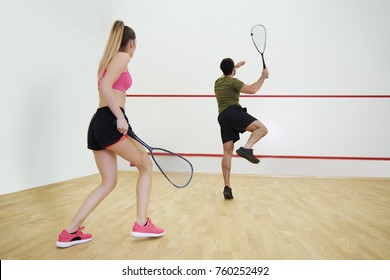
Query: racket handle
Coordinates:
[262,58]
[264,66]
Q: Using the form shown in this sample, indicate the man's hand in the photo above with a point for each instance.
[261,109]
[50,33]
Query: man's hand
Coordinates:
[241,63]
[265,73]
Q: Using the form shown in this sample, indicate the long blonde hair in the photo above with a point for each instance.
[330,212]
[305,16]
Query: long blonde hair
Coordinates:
[120,35]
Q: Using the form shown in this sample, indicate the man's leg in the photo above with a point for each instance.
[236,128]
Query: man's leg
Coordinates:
[226,167]
[258,131]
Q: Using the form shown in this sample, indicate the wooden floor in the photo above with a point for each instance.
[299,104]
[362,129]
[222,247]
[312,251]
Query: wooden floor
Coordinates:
[270,218]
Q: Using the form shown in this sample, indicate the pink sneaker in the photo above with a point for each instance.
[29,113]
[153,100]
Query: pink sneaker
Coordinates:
[66,239]
[150,230]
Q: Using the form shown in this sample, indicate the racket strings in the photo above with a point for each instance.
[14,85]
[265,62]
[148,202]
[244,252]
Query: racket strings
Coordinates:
[259,37]
[174,167]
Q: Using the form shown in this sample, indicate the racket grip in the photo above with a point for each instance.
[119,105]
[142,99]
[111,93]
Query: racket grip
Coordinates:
[264,66]
[262,59]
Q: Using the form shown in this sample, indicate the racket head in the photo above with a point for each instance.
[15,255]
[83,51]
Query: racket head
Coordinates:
[259,37]
[177,169]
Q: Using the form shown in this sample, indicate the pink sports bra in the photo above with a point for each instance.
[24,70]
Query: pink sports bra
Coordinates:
[123,83]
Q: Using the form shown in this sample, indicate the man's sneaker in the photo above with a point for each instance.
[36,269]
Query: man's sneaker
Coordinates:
[149,230]
[227,192]
[247,154]
[66,239]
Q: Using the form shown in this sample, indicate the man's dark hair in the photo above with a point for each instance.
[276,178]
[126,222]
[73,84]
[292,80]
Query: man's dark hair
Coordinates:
[227,66]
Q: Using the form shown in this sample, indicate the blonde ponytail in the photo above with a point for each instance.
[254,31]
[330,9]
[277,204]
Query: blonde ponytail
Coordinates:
[112,47]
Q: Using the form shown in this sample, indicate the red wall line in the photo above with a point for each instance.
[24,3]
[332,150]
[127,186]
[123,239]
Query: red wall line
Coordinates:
[271,96]
[254,96]
[289,157]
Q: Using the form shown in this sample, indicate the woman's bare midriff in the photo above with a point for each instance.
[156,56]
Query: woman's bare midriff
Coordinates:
[119,96]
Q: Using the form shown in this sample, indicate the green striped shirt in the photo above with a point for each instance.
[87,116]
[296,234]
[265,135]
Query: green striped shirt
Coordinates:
[227,92]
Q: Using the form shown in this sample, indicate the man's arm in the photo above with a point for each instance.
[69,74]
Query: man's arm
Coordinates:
[241,63]
[255,87]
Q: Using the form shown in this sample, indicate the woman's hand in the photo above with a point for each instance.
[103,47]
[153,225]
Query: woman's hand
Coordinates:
[122,126]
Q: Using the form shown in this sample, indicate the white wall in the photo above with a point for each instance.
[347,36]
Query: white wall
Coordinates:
[314,48]
[49,54]
[50,49]
[298,127]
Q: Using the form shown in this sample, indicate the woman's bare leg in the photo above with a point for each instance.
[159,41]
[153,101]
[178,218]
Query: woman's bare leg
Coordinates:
[133,152]
[107,165]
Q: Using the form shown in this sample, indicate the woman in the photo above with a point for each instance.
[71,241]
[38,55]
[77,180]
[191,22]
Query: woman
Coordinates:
[108,141]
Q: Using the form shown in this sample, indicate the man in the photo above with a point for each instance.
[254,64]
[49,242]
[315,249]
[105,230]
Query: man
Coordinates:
[233,119]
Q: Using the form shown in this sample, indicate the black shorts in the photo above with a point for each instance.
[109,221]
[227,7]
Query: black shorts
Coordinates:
[233,121]
[102,132]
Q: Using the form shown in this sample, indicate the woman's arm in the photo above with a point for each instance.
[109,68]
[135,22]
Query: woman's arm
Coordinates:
[115,68]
